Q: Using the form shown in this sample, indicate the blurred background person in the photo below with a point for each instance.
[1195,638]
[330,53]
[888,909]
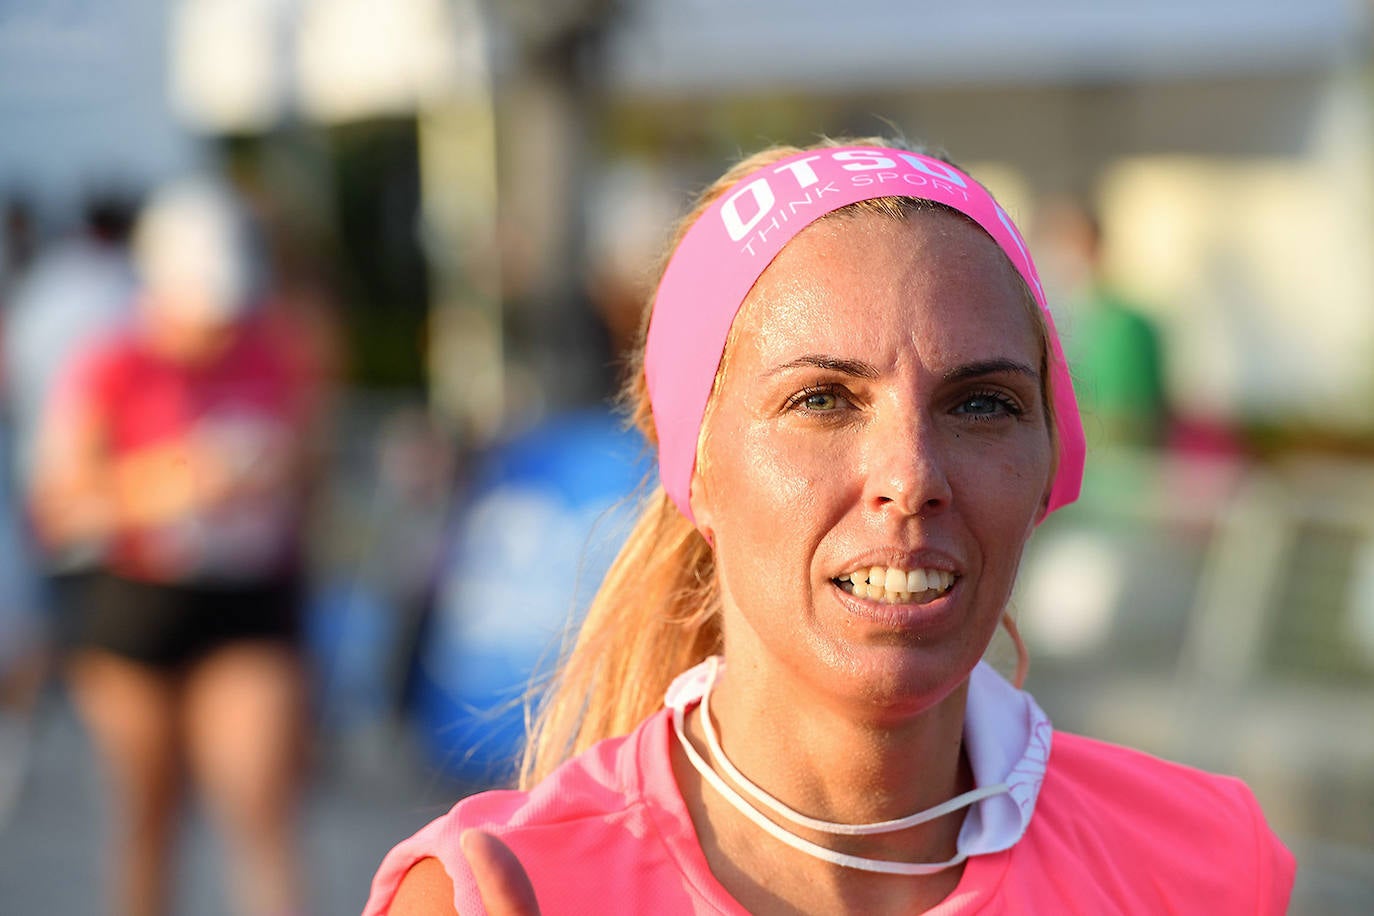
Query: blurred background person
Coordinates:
[55,301]
[175,449]
[77,291]
[1113,345]
[18,242]
[21,663]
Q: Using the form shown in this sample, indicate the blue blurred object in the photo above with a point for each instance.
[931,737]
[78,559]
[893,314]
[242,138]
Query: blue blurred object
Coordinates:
[546,514]
[350,631]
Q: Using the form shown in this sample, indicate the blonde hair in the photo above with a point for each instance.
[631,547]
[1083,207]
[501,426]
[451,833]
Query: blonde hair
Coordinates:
[657,612]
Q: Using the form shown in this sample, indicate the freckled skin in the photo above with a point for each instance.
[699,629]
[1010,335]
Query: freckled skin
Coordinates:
[795,492]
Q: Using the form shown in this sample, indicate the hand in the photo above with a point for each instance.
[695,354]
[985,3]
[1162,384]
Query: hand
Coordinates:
[501,879]
[167,482]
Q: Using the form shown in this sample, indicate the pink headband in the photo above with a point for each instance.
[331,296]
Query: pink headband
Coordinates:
[726,250]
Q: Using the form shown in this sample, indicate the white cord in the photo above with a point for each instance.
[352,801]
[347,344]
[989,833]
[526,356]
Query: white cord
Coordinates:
[833,827]
[784,835]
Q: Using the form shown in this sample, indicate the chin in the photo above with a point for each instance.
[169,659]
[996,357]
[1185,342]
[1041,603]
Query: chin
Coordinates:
[903,680]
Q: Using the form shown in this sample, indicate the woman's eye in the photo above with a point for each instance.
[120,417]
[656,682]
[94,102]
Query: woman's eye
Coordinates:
[988,405]
[821,401]
[818,400]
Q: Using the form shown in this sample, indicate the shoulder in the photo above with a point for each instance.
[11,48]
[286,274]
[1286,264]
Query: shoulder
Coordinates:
[100,366]
[1171,828]
[425,888]
[266,352]
[1130,781]
[112,351]
[592,806]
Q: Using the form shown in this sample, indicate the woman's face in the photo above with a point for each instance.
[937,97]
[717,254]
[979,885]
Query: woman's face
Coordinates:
[877,454]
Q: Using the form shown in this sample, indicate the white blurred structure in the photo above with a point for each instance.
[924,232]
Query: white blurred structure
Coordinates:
[694,47]
[83,99]
[1227,144]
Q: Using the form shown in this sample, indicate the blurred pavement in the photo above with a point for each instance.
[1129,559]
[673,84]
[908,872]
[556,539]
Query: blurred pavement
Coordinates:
[50,842]
[356,810]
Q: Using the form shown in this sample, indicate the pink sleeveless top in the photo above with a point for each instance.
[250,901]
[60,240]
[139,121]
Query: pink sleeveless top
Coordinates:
[1113,831]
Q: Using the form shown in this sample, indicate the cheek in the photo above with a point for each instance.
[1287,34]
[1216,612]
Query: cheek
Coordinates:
[770,493]
[760,483]
[1005,496]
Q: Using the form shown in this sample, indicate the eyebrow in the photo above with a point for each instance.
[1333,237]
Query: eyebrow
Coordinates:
[989,367]
[855,367]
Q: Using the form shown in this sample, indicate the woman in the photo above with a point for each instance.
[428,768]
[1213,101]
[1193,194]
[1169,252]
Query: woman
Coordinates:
[862,412]
[173,453]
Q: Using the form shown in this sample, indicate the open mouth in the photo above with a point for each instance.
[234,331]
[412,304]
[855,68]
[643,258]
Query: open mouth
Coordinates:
[892,585]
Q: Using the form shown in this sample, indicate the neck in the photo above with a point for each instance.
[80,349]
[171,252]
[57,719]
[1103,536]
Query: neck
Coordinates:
[830,766]
[187,342]
[829,761]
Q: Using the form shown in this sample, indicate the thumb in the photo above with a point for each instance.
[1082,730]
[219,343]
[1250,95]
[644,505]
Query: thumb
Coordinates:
[501,879]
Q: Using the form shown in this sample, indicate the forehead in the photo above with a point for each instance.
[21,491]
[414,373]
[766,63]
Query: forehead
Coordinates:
[933,281]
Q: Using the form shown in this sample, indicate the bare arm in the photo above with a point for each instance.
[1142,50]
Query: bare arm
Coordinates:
[71,491]
[427,890]
[82,492]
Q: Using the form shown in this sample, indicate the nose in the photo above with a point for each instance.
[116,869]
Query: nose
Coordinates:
[907,470]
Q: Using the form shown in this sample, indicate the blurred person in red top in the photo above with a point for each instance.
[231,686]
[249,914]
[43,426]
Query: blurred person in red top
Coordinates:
[175,450]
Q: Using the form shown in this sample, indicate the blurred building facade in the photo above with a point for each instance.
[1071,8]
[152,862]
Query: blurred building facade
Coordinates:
[1228,147]
[1226,144]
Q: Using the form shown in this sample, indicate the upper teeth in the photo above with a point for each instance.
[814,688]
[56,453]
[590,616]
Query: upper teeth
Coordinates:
[893,584]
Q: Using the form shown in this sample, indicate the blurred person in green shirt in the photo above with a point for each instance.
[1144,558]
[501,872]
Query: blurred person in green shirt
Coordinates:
[1113,347]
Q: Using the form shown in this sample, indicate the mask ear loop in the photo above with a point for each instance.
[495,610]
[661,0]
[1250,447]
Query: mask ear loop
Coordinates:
[1022,656]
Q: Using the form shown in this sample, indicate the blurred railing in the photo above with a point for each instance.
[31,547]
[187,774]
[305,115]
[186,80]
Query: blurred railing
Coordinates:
[1221,613]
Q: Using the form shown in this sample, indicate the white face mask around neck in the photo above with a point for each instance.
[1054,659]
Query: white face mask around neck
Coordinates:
[1021,790]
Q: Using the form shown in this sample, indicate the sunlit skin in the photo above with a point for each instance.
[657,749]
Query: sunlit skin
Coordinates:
[882,405]
[185,331]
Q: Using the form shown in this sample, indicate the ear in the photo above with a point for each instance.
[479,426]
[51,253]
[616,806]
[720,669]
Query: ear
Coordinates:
[1049,487]
[703,513]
